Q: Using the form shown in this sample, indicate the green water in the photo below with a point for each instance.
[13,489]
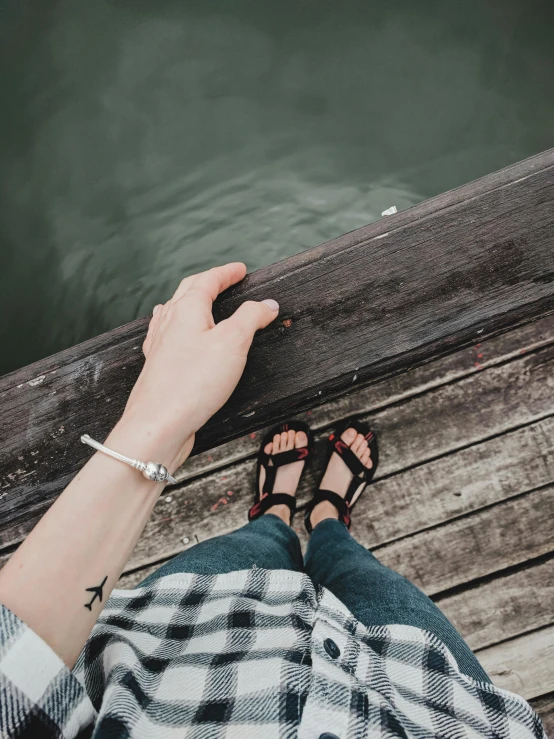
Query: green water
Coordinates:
[143,141]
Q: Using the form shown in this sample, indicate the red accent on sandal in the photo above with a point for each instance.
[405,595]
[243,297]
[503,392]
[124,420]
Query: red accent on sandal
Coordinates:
[331,437]
[303,452]
[340,446]
[255,509]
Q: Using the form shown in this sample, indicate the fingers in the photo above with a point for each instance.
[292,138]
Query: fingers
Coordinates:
[249,318]
[209,284]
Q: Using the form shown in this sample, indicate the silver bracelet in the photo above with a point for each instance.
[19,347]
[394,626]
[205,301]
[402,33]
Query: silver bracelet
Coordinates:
[151,470]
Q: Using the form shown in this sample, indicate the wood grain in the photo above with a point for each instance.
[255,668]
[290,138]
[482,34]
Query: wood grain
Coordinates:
[522,665]
[471,263]
[504,607]
[477,545]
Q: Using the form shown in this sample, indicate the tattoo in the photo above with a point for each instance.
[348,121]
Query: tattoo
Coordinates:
[97,593]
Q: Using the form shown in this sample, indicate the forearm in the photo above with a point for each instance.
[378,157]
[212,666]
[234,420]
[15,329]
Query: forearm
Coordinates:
[86,537]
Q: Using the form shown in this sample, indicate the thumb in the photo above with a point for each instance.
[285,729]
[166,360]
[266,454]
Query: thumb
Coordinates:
[250,317]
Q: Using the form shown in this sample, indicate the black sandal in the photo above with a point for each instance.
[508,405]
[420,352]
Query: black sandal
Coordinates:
[267,498]
[362,476]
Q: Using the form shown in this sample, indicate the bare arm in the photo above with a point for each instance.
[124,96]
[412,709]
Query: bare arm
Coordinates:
[60,577]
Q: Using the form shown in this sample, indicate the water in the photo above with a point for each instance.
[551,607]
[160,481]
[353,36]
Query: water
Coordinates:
[143,141]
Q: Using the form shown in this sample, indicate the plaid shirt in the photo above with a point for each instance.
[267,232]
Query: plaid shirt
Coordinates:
[248,654]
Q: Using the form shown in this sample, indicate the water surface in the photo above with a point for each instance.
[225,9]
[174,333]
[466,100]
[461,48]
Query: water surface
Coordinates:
[144,141]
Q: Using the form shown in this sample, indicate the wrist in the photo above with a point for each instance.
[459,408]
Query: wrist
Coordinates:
[149,442]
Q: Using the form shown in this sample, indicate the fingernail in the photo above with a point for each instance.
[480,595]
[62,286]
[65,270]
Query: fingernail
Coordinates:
[273,304]
[156,309]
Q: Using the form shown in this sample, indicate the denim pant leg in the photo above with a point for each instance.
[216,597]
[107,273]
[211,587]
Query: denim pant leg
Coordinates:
[377,595]
[267,543]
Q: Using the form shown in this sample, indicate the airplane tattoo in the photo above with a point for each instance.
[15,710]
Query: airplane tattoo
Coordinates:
[97,593]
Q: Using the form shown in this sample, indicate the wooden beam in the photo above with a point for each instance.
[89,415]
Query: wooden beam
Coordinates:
[470,263]
[476,545]
[504,607]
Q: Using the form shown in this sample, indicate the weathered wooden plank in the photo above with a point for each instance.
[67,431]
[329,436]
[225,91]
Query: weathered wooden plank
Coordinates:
[421,428]
[369,304]
[544,706]
[477,545]
[504,607]
[223,509]
[457,484]
[483,355]
[437,559]
[378,517]
[522,665]
[393,507]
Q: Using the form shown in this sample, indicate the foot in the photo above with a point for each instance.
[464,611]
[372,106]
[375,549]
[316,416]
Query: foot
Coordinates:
[288,476]
[337,476]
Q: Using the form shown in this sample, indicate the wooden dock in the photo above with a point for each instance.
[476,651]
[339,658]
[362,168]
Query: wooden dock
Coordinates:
[436,325]
[463,502]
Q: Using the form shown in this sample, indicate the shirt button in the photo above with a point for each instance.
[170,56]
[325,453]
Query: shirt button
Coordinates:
[334,652]
[327,735]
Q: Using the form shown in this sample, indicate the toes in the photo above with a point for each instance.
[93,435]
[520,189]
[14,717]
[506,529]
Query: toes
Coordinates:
[284,439]
[300,440]
[268,448]
[366,460]
[349,436]
[358,441]
[276,443]
[290,440]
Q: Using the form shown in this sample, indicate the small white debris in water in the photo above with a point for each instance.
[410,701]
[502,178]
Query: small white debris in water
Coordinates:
[168,499]
[185,540]
[247,415]
[390,211]
[319,393]
[480,331]
[382,236]
[36,381]
[354,378]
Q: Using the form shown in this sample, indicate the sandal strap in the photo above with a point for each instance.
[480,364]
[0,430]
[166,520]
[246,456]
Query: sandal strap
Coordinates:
[348,457]
[282,458]
[269,500]
[355,484]
[278,460]
[334,498]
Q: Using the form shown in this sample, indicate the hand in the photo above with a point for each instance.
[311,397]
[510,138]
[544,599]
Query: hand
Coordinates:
[192,366]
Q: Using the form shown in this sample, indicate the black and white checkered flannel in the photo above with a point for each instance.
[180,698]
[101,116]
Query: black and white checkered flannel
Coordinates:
[248,654]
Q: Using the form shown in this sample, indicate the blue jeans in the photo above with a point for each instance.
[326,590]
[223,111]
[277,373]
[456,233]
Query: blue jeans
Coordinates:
[372,592]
